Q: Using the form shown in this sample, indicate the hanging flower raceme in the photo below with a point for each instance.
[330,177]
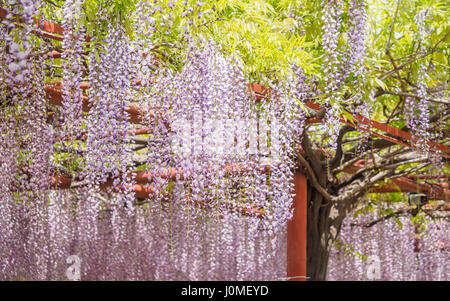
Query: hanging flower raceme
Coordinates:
[302,91]
[357,50]
[420,122]
[26,145]
[107,151]
[339,65]
[72,58]
[356,55]
[417,111]
[107,121]
[333,79]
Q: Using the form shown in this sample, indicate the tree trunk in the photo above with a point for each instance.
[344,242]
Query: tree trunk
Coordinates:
[317,264]
[320,235]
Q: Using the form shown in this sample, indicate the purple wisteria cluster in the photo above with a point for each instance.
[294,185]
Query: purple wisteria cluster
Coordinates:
[72,57]
[19,48]
[107,154]
[222,216]
[26,145]
[356,37]
[418,111]
[331,17]
[153,244]
[227,155]
[389,252]
[301,89]
[340,64]
[356,55]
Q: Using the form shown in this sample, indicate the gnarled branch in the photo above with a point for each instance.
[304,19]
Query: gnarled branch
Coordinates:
[312,177]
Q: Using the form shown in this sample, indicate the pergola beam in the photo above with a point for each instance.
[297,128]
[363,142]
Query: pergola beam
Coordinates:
[53,94]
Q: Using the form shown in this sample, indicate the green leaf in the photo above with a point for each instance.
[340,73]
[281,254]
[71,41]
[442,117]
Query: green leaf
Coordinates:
[399,223]
[97,56]
[348,116]
[380,83]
